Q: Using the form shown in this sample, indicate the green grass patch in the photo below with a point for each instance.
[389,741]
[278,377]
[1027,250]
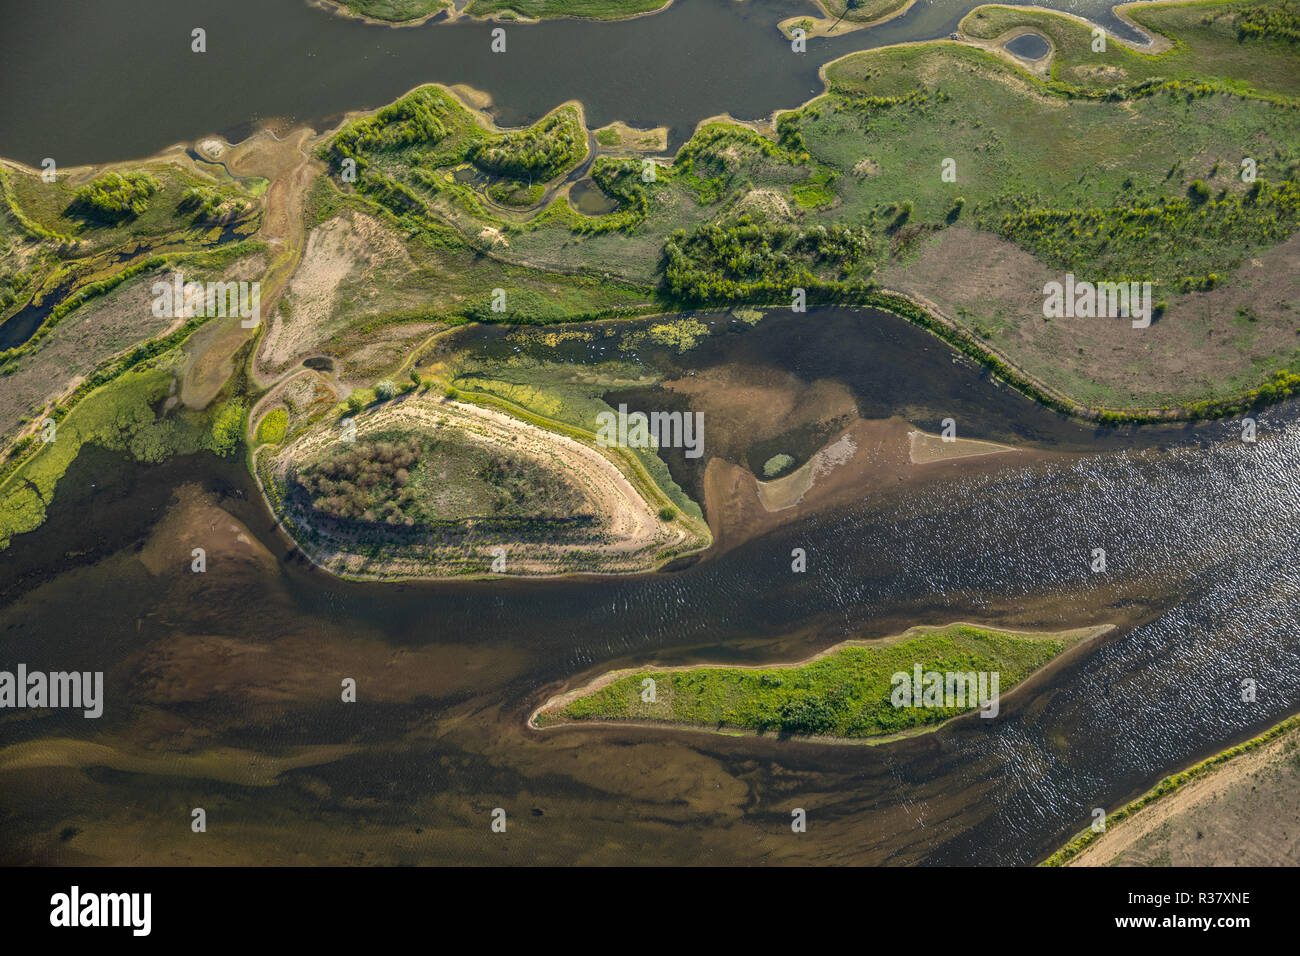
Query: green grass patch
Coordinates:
[845,694]
[1209,45]
[271,429]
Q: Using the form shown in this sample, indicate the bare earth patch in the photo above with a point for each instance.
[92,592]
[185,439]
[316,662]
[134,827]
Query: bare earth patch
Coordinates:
[344,246]
[866,460]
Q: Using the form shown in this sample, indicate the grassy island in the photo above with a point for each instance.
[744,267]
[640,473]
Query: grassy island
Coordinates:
[848,692]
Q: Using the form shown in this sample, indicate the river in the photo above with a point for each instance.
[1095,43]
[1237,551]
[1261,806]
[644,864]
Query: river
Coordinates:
[1203,551]
[92,83]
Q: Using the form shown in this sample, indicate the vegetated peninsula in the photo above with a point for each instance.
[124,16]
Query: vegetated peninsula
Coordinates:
[844,198]
[844,16]
[851,692]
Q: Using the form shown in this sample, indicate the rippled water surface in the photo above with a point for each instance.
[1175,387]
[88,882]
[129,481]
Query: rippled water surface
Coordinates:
[1202,549]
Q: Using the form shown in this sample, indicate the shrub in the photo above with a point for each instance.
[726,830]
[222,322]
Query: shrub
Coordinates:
[777,464]
[367,482]
[114,196]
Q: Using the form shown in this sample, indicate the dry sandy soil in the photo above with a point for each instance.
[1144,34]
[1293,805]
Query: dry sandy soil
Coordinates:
[1245,812]
[345,246]
[290,170]
[632,535]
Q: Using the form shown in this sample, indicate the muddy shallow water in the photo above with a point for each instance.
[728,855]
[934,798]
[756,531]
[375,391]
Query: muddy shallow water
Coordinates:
[212,678]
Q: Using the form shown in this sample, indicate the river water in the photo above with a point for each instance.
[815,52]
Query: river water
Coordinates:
[1202,547]
[99,82]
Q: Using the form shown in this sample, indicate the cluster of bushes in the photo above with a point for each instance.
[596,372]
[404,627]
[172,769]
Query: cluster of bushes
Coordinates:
[210,204]
[1168,238]
[1276,21]
[517,194]
[519,488]
[712,139]
[807,714]
[539,153]
[368,481]
[227,427]
[789,136]
[710,164]
[717,262]
[114,196]
[11,286]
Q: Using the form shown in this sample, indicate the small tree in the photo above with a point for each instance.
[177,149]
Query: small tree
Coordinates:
[385,390]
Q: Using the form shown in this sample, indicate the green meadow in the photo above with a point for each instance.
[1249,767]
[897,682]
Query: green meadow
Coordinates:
[844,694]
